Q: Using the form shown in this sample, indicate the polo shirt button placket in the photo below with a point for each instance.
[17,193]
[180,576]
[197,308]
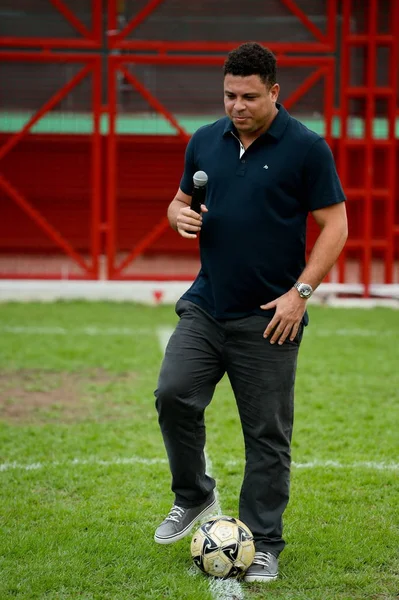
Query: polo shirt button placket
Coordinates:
[242,168]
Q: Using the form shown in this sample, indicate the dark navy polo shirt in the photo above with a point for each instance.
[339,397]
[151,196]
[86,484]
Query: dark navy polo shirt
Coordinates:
[252,241]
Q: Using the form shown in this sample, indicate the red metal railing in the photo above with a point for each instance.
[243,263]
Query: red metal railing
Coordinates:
[368,92]
[92,64]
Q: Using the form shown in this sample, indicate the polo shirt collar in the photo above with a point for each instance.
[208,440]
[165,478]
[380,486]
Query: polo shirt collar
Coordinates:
[275,130]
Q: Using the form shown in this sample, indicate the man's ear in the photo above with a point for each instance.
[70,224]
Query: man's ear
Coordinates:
[274,92]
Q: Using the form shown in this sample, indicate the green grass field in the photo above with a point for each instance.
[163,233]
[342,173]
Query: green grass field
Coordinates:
[84,478]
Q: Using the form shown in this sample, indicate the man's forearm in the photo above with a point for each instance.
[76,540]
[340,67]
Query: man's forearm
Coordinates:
[325,252]
[173,211]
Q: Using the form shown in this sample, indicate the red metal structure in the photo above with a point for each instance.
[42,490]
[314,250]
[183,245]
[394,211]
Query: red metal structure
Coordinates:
[371,187]
[11,185]
[142,84]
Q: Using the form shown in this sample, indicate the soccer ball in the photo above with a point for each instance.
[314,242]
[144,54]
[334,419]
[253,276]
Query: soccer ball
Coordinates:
[223,547]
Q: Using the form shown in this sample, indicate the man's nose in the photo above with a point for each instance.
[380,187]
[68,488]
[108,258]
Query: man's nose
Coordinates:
[239,105]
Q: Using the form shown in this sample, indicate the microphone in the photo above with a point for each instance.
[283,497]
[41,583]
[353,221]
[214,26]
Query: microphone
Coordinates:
[200,179]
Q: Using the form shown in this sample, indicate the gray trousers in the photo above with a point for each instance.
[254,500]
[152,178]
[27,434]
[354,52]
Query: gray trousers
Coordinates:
[262,377]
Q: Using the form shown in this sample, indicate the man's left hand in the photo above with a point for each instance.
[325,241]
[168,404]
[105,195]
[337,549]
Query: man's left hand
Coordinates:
[290,308]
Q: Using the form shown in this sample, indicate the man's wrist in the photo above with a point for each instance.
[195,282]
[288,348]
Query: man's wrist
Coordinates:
[305,290]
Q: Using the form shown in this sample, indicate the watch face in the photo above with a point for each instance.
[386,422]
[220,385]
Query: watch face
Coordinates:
[305,290]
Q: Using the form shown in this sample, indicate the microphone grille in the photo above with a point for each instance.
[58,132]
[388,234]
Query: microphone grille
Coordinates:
[200,178]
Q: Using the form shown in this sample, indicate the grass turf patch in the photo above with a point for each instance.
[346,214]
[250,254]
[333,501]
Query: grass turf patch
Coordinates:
[84,478]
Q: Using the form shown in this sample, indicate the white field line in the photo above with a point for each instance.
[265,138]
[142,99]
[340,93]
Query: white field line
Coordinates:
[77,462]
[93,330]
[326,464]
[222,589]
[334,464]
[164,332]
[226,589]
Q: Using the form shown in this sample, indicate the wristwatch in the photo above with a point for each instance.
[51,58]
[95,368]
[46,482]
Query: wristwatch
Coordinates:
[304,289]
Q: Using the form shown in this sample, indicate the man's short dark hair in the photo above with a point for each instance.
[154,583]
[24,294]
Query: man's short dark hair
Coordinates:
[252,59]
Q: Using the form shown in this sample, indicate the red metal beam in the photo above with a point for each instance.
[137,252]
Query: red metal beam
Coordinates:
[360,191]
[59,43]
[358,244]
[136,21]
[42,223]
[360,142]
[144,243]
[46,56]
[111,170]
[369,146]
[332,17]
[112,19]
[160,277]
[71,18]
[200,59]
[359,39]
[96,168]
[154,102]
[329,101]
[294,8]
[54,100]
[97,21]
[362,91]
[392,179]
[342,162]
[305,86]
[46,276]
[163,47]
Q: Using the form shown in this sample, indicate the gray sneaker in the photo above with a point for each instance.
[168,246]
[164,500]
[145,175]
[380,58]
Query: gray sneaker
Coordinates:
[180,521]
[264,568]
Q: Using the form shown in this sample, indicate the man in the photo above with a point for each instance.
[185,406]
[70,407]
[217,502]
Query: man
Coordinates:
[245,312]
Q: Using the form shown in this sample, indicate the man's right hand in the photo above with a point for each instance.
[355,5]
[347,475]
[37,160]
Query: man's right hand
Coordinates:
[189,222]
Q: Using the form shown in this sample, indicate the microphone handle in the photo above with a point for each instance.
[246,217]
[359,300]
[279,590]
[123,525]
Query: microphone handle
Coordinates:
[198,198]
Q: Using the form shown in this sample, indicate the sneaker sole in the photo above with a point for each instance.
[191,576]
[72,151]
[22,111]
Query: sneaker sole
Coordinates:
[259,578]
[178,536]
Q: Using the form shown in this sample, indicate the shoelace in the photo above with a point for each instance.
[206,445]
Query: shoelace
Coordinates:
[262,559]
[175,514]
